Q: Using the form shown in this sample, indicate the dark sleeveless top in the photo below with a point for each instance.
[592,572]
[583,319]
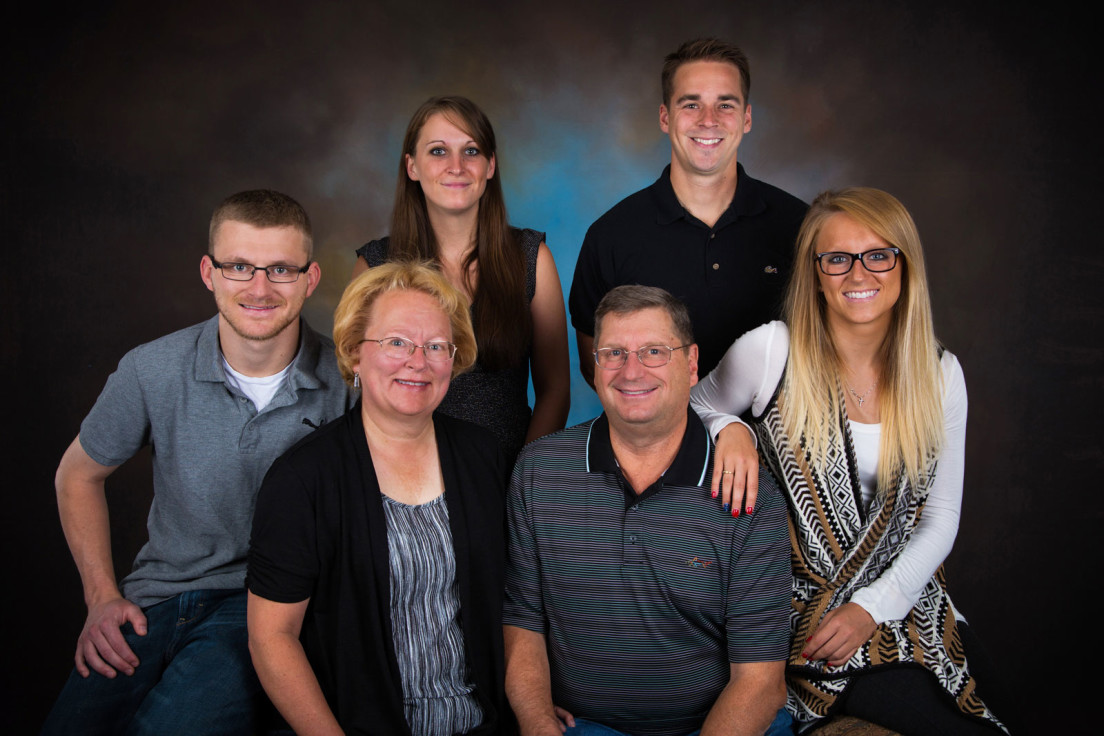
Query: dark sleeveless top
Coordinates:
[497,400]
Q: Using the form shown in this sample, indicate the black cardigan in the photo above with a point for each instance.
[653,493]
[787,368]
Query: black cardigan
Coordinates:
[319,531]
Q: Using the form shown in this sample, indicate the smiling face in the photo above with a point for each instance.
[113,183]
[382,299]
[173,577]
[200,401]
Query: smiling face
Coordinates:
[638,399]
[858,297]
[451,168]
[706,118]
[412,386]
[258,309]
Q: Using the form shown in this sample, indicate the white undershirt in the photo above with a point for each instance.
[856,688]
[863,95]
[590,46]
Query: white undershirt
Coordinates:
[866,439]
[259,390]
[747,377]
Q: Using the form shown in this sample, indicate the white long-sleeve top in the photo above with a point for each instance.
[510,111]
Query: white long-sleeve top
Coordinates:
[748,376]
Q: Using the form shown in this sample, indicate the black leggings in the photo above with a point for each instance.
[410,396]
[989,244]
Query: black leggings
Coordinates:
[910,701]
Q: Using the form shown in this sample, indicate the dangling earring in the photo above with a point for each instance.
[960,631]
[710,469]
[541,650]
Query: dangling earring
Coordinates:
[356,380]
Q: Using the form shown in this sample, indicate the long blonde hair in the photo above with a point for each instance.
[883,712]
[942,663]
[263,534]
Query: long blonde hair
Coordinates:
[911,385]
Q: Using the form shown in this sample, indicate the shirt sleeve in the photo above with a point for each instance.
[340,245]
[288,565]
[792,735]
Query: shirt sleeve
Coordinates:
[524,605]
[118,424]
[896,591]
[757,607]
[283,559]
[589,284]
[746,377]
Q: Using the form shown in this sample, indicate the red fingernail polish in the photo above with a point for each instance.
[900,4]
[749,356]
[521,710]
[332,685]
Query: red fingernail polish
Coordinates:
[736,512]
[747,510]
[714,494]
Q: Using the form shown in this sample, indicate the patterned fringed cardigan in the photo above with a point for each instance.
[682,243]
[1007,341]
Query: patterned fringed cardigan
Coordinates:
[837,548]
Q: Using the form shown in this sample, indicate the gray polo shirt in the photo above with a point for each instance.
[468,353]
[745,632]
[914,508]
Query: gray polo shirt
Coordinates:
[644,599]
[211,450]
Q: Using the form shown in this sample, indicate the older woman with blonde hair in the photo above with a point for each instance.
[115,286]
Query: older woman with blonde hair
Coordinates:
[376,562]
[861,416]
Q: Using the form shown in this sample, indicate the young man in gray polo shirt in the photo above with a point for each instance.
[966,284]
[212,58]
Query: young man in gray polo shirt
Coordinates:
[633,603]
[217,403]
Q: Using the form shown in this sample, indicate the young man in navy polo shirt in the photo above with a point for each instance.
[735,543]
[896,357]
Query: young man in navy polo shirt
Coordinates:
[717,239]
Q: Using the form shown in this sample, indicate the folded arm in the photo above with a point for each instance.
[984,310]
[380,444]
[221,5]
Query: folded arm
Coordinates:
[745,379]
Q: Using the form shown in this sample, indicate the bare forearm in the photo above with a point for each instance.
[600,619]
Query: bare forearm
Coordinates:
[290,682]
[82,507]
[549,362]
[529,682]
[747,705]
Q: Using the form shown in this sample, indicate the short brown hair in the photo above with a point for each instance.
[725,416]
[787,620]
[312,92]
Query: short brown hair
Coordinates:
[354,311]
[632,298]
[261,208]
[704,49]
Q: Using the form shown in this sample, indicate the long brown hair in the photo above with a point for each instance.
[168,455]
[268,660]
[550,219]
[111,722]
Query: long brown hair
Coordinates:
[499,295]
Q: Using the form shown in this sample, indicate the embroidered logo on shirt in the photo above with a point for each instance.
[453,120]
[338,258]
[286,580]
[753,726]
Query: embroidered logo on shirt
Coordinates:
[698,562]
[312,425]
[770,269]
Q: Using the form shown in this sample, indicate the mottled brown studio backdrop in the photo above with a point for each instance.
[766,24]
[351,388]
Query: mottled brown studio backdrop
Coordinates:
[126,123]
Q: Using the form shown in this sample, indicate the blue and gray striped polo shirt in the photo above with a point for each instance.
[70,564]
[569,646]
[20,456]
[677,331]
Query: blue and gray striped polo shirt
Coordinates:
[644,600]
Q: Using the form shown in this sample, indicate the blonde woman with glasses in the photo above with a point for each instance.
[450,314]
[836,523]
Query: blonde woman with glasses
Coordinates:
[861,416]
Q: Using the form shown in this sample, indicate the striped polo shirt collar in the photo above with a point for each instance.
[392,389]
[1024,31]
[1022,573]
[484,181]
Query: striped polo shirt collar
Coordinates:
[690,465]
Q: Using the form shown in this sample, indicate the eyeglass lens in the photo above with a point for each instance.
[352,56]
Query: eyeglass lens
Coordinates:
[399,348]
[651,356]
[877,260]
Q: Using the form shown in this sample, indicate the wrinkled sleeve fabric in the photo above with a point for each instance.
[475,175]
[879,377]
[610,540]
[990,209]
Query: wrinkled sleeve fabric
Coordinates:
[590,282]
[746,377]
[757,605]
[118,424]
[283,558]
[524,605]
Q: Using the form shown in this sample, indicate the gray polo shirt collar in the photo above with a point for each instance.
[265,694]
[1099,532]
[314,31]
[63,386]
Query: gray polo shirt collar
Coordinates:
[689,468]
[745,203]
[208,361]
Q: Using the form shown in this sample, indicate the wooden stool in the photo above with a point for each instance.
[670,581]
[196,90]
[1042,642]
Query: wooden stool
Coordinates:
[851,726]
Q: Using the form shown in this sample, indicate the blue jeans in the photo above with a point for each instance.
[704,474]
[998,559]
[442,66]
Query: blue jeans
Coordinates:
[782,725]
[195,676]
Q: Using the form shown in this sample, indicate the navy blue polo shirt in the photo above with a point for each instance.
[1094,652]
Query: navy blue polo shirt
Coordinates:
[645,599]
[731,277]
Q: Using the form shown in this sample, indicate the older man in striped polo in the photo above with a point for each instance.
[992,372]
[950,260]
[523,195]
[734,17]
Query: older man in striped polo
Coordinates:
[634,604]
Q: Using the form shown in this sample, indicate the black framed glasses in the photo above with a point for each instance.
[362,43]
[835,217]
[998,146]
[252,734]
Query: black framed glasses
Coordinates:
[837,263]
[650,356]
[277,274]
[399,348]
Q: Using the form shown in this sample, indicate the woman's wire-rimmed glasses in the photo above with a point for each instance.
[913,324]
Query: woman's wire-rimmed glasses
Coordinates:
[399,348]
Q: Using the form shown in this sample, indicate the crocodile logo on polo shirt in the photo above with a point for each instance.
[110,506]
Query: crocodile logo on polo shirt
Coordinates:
[699,562]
